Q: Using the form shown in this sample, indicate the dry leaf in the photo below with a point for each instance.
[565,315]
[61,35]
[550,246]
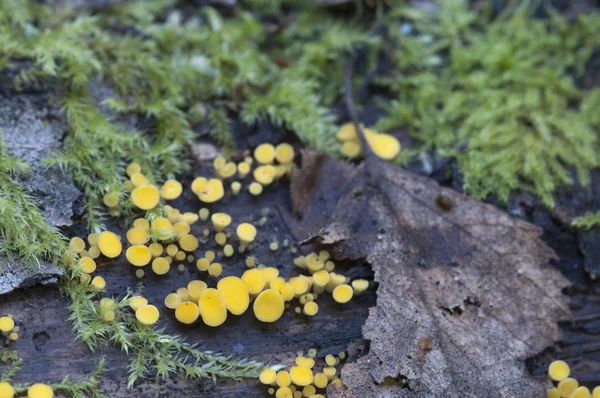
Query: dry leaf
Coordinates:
[465,295]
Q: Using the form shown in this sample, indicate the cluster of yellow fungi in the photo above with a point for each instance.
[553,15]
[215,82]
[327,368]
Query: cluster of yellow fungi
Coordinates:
[34,391]
[9,330]
[565,386]
[302,379]
[385,146]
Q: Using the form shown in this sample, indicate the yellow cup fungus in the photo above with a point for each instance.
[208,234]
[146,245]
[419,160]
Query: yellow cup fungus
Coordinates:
[109,244]
[320,380]
[287,292]
[180,256]
[171,189]
[359,286]
[111,199]
[98,283]
[187,312]
[305,362]
[246,232]
[208,191]
[189,243]
[255,188]
[182,228]
[227,171]
[204,213]
[139,273]
[300,286]
[321,278]
[77,245]
[145,197]
[215,269]
[264,153]
[94,252]
[128,185]
[311,308]
[284,153]
[235,294]
[220,221]
[334,281]
[147,315]
[306,298]
[236,187]
[195,289]
[255,280]
[301,376]
[228,250]
[139,180]
[268,376]
[137,236]
[137,302]
[330,360]
[309,391]
[342,293]
[212,308]
[558,370]
[202,264]
[138,255]
[284,392]
[581,392]
[243,169]
[264,174]
[596,392]
[329,371]
[219,162]
[163,227]
[268,306]
[6,324]
[172,301]
[141,223]
[188,217]
[351,149]
[273,246]
[160,266]
[172,250]
[88,265]
[40,391]
[133,168]
[270,273]
[93,239]
[6,390]
[283,378]
[567,386]
[156,249]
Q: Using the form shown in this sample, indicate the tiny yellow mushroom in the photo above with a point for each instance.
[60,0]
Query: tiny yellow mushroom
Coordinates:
[301,376]
[160,266]
[246,232]
[236,186]
[268,306]
[156,249]
[98,283]
[311,308]
[228,250]
[309,391]
[94,252]
[552,393]
[137,302]
[195,289]
[145,197]
[138,255]
[204,213]
[147,315]
[6,324]
[172,250]
[559,370]
[342,293]
[212,308]
[320,380]
[139,180]
[567,386]
[287,292]
[330,360]
[359,286]
[141,223]
[163,227]
[220,221]
[187,312]
[329,371]
[133,168]
[300,286]
[210,255]
[385,146]
[255,280]
[188,217]
[581,392]
[264,174]
[184,294]
[283,378]
[268,376]
[93,239]
[128,185]
[270,273]
[6,390]
[596,392]
[243,169]
[137,236]
[215,269]
[321,278]
[284,392]
[172,301]
[227,171]
[264,153]
[180,256]
[171,189]
[305,362]
[182,228]
[189,243]
[88,265]
[139,273]
[219,162]
[109,244]
[284,153]
[77,245]
[255,188]
[208,191]
[235,294]
[351,149]
[202,264]
[40,391]
[347,132]
[334,281]
[111,199]
[273,246]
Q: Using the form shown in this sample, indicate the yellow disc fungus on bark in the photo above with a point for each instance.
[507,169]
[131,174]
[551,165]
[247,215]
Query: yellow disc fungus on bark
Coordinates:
[268,306]
[6,324]
[171,189]
[342,293]
[558,370]
[309,391]
[147,315]
[301,376]
[141,223]
[137,236]
[195,289]
[581,392]
[243,169]
[596,392]
[215,269]
[351,149]
[187,312]
[283,378]
[284,153]
[246,233]
[220,221]
[268,376]
[77,245]
[359,286]
[94,252]
[311,308]
[202,264]
[236,186]
[264,153]
[93,239]
[137,302]
[329,371]
[255,189]
[6,390]
[254,279]
[300,286]
[287,292]
[385,146]
[156,249]
[109,244]
[139,180]
[330,360]
[163,227]
[567,386]
[88,265]
[235,294]
[227,171]
[40,391]
[111,199]
[284,392]
[160,266]
[138,255]
[208,191]
[264,174]
[305,362]
[212,308]
[172,301]
[189,243]
[133,168]
[145,197]
[270,273]
[320,380]
[98,283]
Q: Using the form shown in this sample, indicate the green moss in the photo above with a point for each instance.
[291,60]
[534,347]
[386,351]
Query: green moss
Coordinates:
[504,87]
[588,221]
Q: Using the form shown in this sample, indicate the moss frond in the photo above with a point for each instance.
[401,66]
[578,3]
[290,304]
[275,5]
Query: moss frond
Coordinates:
[588,221]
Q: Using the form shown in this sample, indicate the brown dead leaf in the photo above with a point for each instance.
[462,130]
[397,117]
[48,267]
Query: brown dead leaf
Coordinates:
[465,295]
